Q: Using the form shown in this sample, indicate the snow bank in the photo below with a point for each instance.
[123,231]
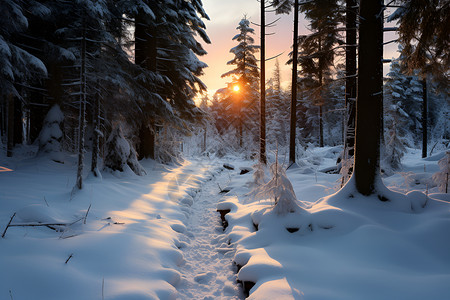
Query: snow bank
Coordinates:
[342,245]
[128,248]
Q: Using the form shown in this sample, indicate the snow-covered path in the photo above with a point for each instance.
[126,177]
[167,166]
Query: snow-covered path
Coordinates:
[207,272]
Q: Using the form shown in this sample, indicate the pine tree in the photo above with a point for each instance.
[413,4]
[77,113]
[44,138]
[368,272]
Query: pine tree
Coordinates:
[423,30]
[284,7]
[277,111]
[241,95]
[167,50]
[405,93]
[317,50]
[18,67]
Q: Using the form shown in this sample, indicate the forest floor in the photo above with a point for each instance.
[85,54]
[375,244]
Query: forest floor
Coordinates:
[159,236]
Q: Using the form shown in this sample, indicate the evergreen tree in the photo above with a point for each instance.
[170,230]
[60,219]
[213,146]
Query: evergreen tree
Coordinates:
[405,94]
[18,67]
[284,7]
[423,30]
[277,111]
[241,96]
[167,50]
[317,50]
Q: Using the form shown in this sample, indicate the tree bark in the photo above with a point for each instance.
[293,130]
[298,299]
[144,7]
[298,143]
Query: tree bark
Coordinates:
[320,75]
[262,150]
[350,73]
[96,135]
[10,125]
[321,125]
[147,141]
[82,110]
[18,124]
[293,121]
[369,97]
[424,118]
[145,56]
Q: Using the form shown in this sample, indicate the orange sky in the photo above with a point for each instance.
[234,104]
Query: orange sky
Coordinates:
[225,16]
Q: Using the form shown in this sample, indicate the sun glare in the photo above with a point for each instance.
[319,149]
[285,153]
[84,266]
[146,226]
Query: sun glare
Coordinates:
[236,88]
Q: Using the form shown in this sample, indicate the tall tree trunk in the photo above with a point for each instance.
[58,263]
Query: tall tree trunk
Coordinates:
[10,126]
[147,141]
[3,117]
[96,135]
[320,74]
[18,123]
[350,73]
[82,110]
[321,125]
[145,56]
[369,100]
[262,137]
[424,118]
[293,121]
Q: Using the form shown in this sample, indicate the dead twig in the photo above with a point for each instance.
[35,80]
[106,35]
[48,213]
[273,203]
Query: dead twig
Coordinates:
[9,224]
[87,212]
[67,260]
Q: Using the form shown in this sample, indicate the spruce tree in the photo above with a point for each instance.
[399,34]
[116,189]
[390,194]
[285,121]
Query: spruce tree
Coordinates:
[242,92]
[318,49]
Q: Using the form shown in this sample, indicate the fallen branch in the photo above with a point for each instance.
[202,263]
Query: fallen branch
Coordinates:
[9,224]
[87,212]
[37,224]
[67,260]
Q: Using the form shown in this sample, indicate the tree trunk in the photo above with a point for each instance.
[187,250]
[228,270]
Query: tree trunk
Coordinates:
[3,118]
[10,125]
[82,110]
[96,135]
[145,44]
[262,150]
[293,121]
[350,73]
[18,124]
[369,97]
[320,125]
[147,141]
[145,56]
[321,102]
[424,118]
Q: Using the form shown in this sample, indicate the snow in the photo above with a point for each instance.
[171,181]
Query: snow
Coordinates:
[158,236]
[344,248]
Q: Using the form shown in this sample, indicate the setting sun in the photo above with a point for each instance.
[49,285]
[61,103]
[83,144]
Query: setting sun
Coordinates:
[236,88]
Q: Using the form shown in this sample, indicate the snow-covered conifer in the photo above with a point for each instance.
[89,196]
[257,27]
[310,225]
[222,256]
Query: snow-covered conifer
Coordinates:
[120,154]
[51,135]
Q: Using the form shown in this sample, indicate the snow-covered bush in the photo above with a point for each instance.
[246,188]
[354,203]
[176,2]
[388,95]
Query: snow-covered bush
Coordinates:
[121,154]
[441,178]
[280,189]
[51,134]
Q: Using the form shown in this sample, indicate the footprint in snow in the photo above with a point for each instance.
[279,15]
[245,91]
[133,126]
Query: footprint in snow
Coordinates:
[205,278]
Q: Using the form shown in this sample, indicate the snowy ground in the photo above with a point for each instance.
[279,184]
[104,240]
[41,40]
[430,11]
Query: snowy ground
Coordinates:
[159,237]
[344,246]
[144,237]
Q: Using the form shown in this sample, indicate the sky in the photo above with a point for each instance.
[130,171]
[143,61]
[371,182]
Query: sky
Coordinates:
[224,18]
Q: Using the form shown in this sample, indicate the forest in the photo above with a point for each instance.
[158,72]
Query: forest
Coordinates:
[123,176]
